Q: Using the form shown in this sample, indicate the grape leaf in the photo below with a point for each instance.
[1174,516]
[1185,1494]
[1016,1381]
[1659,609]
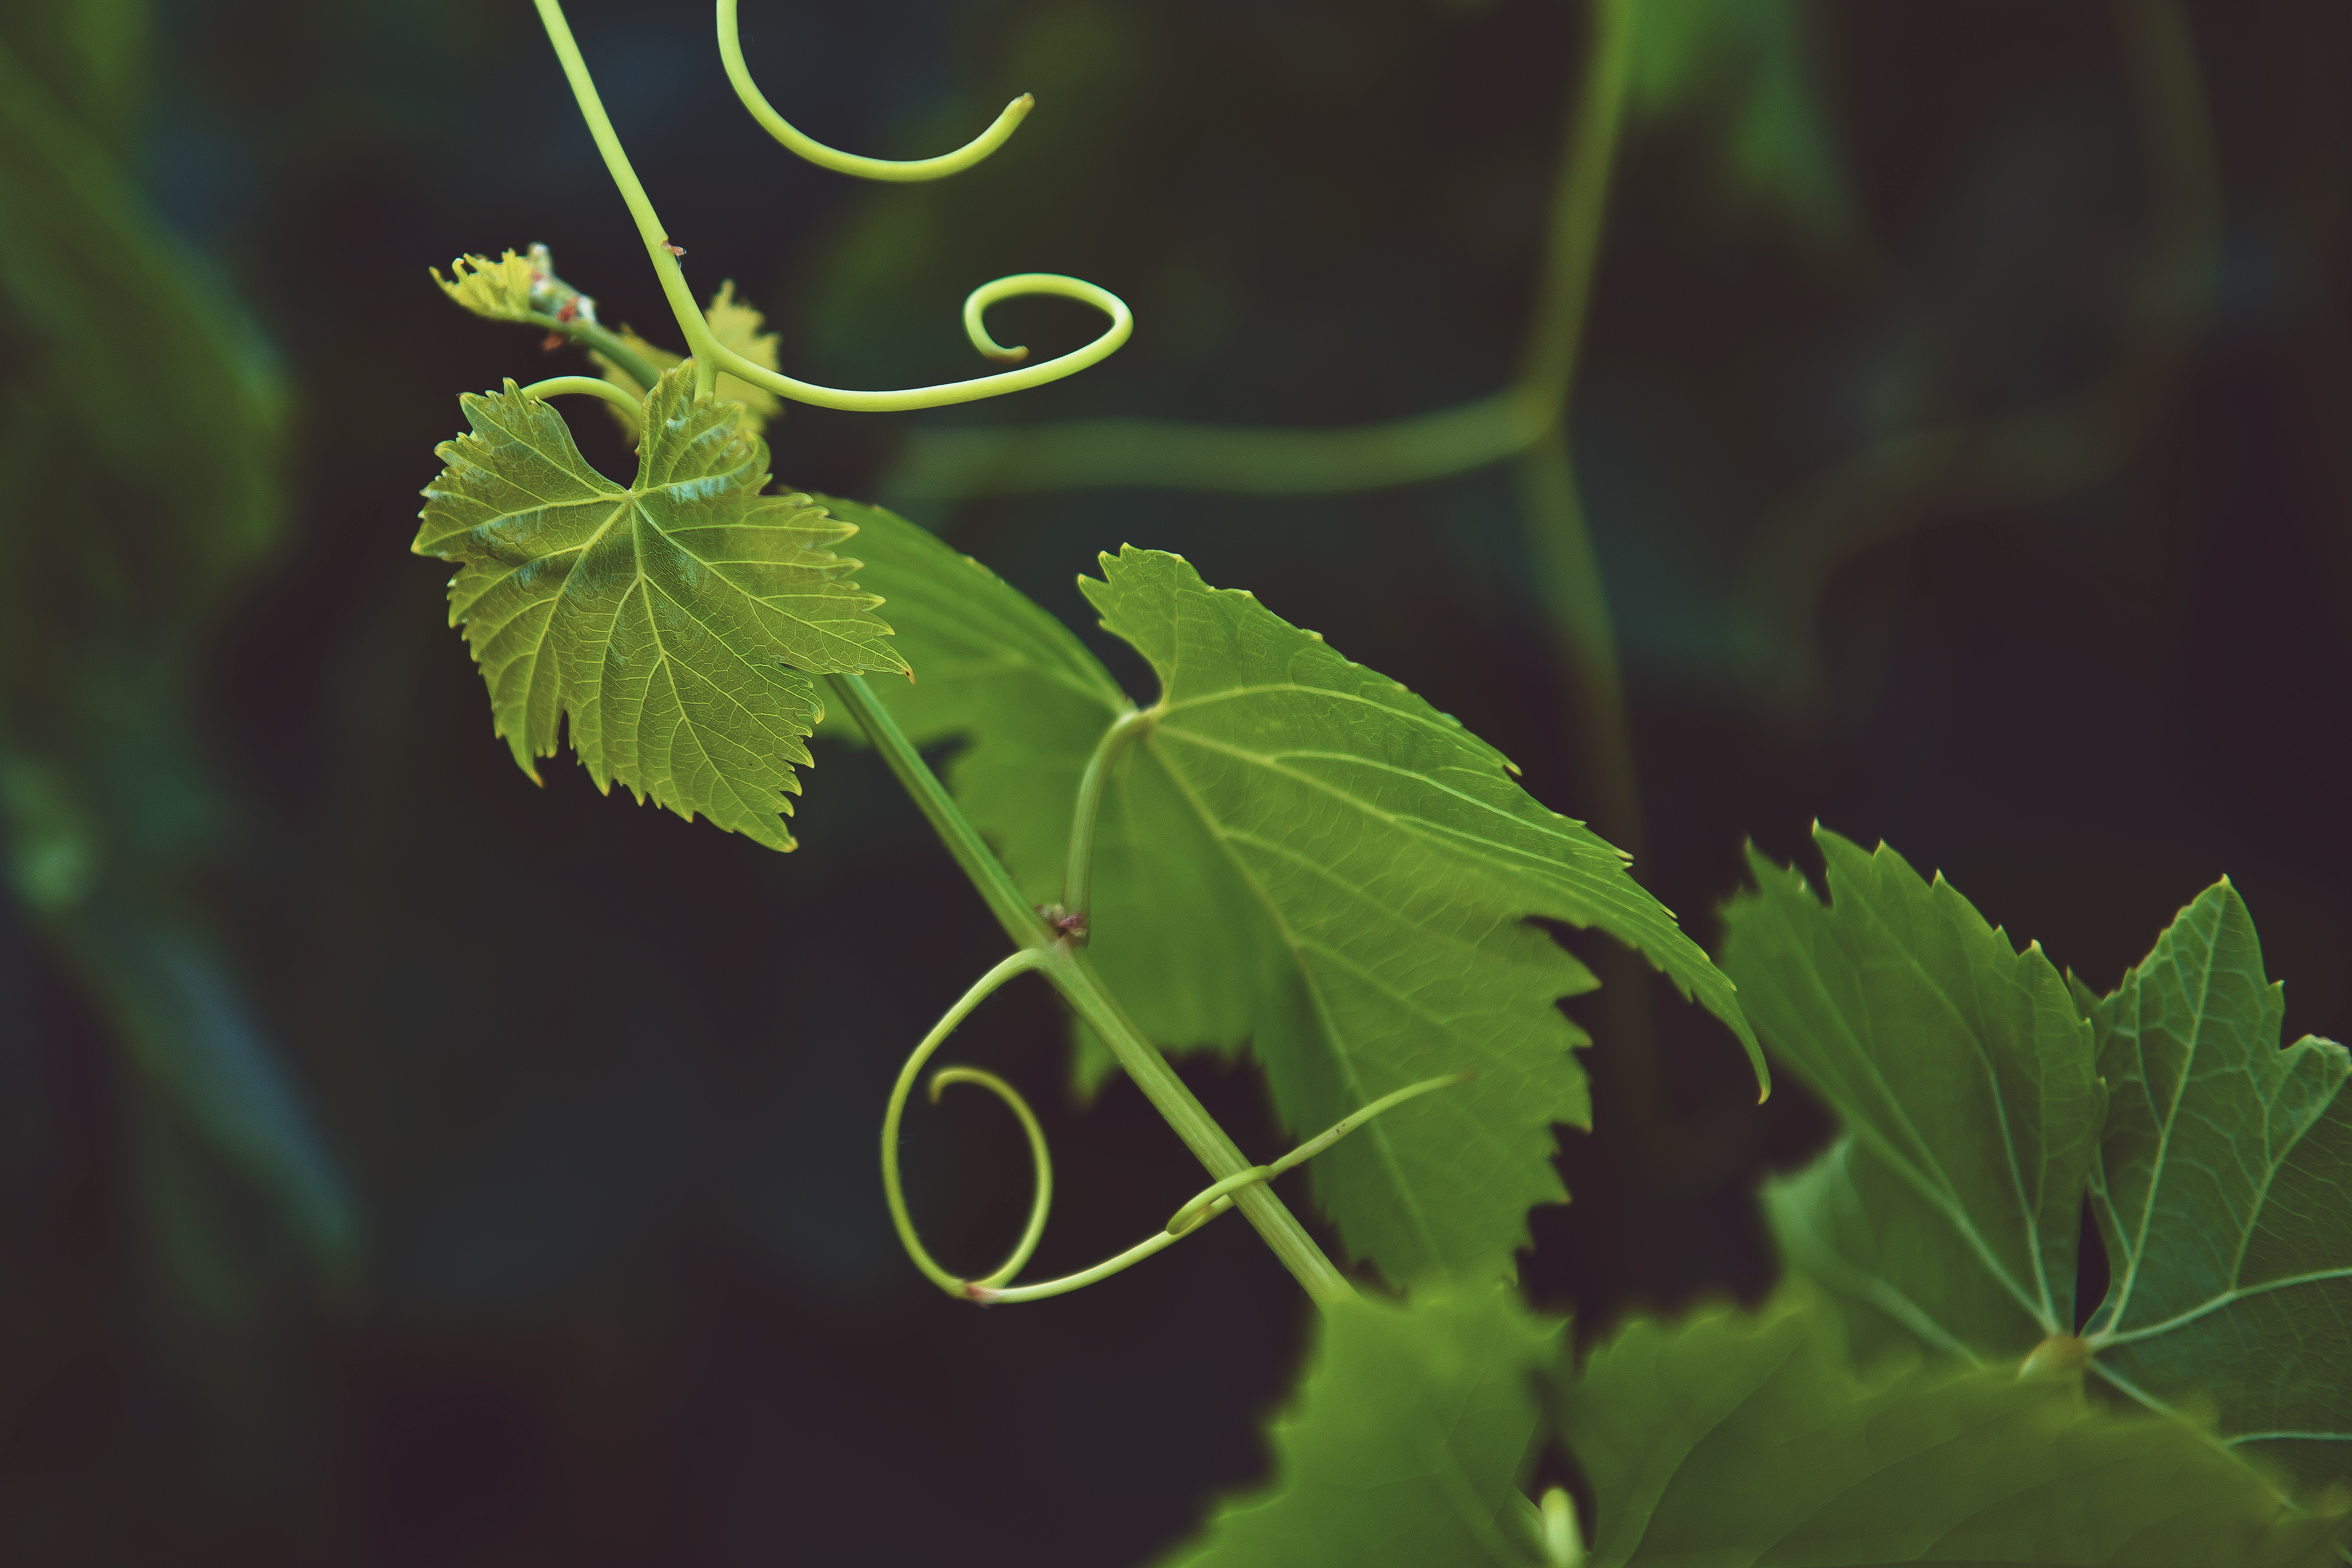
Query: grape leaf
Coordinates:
[2224,1189]
[737,326]
[2221,1165]
[1736,1440]
[1406,1446]
[499,290]
[1211,926]
[1963,1073]
[676,622]
[1390,865]
[991,664]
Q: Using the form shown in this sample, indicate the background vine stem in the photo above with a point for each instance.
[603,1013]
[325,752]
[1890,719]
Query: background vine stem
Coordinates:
[1174,454]
[1067,969]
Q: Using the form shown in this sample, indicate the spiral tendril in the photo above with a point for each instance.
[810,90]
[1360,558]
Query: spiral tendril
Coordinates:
[710,356]
[730,52]
[1204,1206]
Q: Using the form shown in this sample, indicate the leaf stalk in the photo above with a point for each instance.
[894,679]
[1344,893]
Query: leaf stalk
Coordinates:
[1077,873]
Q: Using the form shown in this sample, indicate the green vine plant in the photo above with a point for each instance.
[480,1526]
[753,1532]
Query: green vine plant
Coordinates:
[1288,854]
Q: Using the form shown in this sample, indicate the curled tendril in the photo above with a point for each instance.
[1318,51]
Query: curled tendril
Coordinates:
[586,386]
[731,51]
[1122,325]
[1204,1206]
[710,356]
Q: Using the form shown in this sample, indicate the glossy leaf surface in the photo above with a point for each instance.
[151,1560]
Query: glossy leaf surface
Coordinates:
[675,621]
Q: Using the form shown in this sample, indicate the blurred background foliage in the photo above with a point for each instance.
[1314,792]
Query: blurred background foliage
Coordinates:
[1962,430]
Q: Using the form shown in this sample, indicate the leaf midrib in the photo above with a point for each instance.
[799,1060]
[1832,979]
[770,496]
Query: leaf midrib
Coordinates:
[1505,857]
[2156,1168]
[1947,1201]
[2046,1314]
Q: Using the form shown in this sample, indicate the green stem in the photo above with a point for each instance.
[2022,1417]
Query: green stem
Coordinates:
[1580,205]
[1079,870]
[587,386]
[603,341]
[1021,921]
[698,335]
[1216,1199]
[1070,973]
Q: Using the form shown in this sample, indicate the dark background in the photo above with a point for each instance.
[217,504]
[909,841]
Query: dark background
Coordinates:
[604,1087]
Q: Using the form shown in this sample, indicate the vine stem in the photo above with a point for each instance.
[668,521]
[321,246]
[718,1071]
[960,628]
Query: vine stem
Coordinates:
[710,356]
[1066,968]
[601,340]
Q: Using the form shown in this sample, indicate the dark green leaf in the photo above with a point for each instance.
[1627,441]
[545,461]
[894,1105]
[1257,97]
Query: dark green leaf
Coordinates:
[2221,1165]
[1733,1440]
[671,621]
[2225,1187]
[1963,1073]
[1407,1444]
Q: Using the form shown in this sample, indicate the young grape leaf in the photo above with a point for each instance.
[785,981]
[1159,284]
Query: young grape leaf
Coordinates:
[672,620]
[1963,1073]
[1737,1440]
[1406,1448]
[497,290]
[737,326]
[2224,1189]
[1301,854]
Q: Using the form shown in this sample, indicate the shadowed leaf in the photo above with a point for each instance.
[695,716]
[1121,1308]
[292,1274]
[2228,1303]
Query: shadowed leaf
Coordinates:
[2225,1189]
[1733,1440]
[1406,1444]
[1962,1072]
